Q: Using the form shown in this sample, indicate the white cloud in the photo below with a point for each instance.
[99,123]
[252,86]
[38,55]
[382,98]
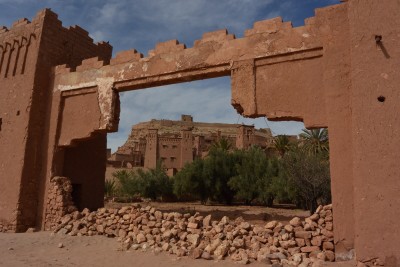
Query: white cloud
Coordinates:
[141,24]
[206,101]
[98,36]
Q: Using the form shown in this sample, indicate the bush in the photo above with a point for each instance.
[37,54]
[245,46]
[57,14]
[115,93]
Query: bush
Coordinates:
[219,167]
[308,175]
[272,185]
[153,183]
[190,182]
[110,188]
[128,184]
[299,174]
[251,174]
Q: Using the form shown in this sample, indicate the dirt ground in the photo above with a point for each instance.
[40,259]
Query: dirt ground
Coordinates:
[253,214]
[42,248]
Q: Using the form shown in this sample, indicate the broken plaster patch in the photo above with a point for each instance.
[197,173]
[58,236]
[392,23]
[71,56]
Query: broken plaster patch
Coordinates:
[62,88]
[105,97]
[105,94]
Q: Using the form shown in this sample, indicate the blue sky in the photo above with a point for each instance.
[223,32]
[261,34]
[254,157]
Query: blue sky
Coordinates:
[140,24]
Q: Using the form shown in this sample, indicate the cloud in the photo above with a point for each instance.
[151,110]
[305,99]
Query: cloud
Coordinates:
[206,101]
[141,24]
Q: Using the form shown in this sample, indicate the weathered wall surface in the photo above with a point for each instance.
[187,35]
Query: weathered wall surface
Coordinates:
[19,48]
[375,119]
[334,33]
[339,71]
[28,52]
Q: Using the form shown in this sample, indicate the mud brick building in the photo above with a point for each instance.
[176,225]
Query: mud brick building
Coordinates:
[175,143]
[59,96]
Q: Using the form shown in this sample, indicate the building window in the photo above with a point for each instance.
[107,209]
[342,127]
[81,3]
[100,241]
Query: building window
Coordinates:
[174,146]
[165,146]
[173,159]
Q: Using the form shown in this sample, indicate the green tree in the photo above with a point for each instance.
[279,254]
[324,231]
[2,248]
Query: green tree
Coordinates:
[315,140]
[152,183]
[223,143]
[219,167]
[191,181]
[128,182]
[273,185]
[308,176]
[155,183]
[251,173]
[282,144]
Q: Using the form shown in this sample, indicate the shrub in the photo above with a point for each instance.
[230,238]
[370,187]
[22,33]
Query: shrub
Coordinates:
[110,188]
[152,183]
[251,174]
[308,175]
[191,182]
[128,182]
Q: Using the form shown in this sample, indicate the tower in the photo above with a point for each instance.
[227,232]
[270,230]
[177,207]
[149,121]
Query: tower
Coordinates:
[151,155]
[245,136]
[186,147]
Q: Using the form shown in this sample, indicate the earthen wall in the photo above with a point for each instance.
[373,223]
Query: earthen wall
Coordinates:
[28,52]
[339,71]
[59,201]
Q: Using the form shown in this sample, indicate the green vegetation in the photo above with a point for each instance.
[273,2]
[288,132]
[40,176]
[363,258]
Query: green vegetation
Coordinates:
[298,174]
[110,188]
[154,183]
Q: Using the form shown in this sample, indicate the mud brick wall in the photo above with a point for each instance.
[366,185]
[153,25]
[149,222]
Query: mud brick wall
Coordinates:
[59,201]
[28,52]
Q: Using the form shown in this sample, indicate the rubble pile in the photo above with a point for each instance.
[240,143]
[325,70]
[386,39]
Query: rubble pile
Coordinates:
[4,227]
[59,201]
[299,243]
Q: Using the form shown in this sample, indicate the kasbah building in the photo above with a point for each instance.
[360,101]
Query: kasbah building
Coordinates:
[175,143]
[340,70]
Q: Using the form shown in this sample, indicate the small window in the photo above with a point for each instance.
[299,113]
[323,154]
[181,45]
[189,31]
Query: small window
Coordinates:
[165,146]
[163,159]
[173,159]
[174,146]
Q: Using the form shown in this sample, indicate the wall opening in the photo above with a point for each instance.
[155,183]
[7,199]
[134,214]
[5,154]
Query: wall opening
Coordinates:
[84,165]
[77,196]
[171,108]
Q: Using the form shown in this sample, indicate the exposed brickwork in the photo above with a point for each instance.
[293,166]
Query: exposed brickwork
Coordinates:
[59,201]
[6,227]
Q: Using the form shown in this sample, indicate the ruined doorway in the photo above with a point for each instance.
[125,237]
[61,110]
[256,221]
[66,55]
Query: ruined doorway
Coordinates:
[205,101]
[84,166]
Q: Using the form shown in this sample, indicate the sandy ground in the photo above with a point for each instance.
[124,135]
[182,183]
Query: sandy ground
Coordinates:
[41,249]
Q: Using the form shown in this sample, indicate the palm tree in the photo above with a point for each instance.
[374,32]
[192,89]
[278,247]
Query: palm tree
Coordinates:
[282,144]
[315,140]
[223,144]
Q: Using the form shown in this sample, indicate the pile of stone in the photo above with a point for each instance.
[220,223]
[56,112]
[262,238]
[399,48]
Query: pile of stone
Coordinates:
[299,243]
[7,227]
[59,201]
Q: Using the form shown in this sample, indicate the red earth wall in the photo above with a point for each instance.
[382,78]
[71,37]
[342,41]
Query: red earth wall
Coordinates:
[339,70]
